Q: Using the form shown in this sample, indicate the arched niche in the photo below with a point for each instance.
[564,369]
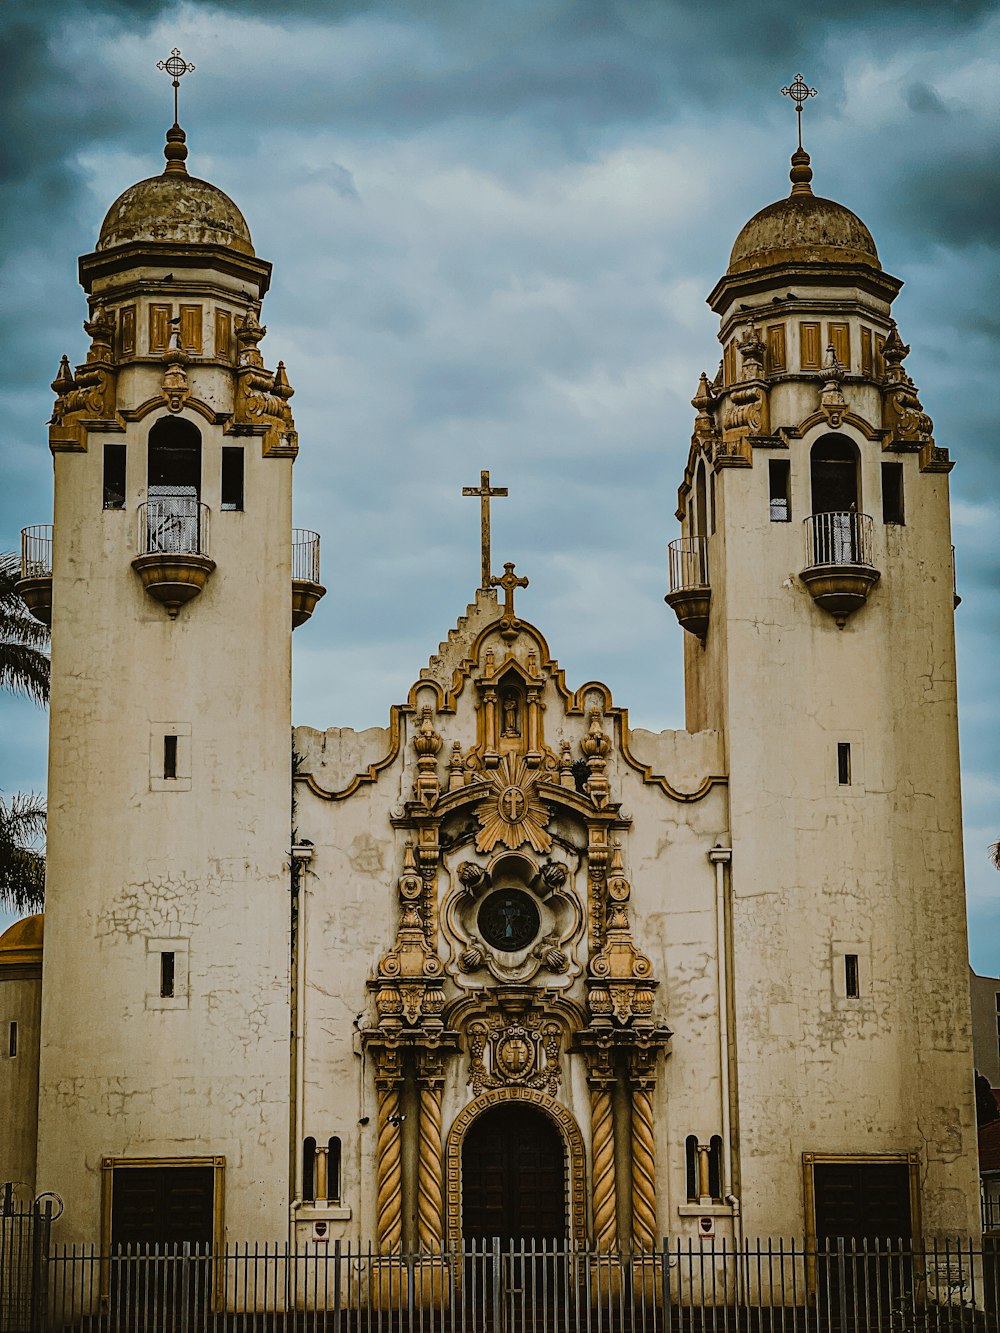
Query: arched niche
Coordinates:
[174,459]
[835,473]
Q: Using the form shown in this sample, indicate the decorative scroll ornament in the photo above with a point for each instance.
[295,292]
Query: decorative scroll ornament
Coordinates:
[752,351]
[512,813]
[523,1052]
[262,396]
[832,402]
[408,982]
[903,411]
[90,395]
[174,386]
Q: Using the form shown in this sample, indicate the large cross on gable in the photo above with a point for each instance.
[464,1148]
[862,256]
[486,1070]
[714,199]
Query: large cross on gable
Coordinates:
[485,492]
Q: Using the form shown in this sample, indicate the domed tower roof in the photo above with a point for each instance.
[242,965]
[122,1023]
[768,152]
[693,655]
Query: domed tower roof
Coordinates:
[156,218]
[803,228]
[175,207]
[22,942]
[804,239]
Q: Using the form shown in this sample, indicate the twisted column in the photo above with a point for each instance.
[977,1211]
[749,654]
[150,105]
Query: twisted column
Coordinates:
[602,1133]
[388,1173]
[430,1170]
[643,1170]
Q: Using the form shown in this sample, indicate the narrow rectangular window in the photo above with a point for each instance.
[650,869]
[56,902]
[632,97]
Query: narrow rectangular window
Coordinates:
[333,1170]
[879,358]
[809,346]
[166,975]
[775,359]
[126,330]
[867,352]
[232,477]
[844,763]
[779,475]
[839,336]
[114,476]
[852,984]
[191,328]
[892,493]
[12,1040]
[159,326]
[170,756]
[223,334]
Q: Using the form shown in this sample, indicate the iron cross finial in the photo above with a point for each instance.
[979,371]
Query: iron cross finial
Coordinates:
[176,66]
[799,92]
[485,493]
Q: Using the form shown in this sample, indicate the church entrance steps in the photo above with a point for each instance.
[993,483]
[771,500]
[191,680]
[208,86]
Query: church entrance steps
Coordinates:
[685,1285]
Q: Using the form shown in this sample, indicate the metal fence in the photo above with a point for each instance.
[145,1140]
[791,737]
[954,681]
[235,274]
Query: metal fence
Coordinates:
[688,1285]
[24,1243]
[839,538]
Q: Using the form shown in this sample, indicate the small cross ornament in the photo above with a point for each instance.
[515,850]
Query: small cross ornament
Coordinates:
[176,66]
[509,624]
[799,92]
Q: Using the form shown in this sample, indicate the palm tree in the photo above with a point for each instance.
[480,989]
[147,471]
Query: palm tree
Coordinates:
[24,668]
[995,854]
[22,865]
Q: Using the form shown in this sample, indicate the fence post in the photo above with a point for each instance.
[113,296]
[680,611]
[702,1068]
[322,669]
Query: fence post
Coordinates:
[665,1281]
[185,1285]
[42,1226]
[842,1281]
[497,1300]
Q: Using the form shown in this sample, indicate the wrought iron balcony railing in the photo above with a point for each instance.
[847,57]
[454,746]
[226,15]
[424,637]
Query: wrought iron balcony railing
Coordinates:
[173,525]
[839,538]
[690,594]
[305,555]
[840,563]
[688,563]
[306,587]
[36,551]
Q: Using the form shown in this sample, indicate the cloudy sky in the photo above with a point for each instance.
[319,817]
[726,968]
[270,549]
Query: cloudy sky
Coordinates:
[493,227]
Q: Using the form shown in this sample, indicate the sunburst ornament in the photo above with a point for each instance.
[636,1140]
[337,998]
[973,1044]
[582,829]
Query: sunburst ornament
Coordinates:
[511,813]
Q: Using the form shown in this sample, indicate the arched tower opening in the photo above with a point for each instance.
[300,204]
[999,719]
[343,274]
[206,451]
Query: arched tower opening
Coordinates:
[174,459]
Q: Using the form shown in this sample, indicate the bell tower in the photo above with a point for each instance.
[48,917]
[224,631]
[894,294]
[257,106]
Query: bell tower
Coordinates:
[814,576]
[172,582]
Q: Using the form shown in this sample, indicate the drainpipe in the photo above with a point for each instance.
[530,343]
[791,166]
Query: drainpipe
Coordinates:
[302,854]
[720,858]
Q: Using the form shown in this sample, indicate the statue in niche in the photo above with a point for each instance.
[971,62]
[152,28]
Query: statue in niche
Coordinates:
[511,720]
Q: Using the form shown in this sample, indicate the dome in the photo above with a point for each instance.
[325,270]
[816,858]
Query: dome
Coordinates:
[22,938]
[175,207]
[803,229]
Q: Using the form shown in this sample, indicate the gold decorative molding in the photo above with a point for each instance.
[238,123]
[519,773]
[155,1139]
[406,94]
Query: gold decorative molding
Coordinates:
[643,1170]
[820,418]
[510,811]
[572,1138]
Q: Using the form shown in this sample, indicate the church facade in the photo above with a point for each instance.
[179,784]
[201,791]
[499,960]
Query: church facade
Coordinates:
[512,966]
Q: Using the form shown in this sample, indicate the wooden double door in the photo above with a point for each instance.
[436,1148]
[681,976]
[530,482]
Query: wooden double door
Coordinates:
[514,1177]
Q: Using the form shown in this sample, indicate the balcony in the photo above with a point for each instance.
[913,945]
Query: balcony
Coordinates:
[35,583]
[840,569]
[173,560]
[306,587]
[690,594]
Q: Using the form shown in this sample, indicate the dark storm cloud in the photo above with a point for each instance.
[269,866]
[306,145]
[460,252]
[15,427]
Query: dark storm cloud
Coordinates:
[493,227]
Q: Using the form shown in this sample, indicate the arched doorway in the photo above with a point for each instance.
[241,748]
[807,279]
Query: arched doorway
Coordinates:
[514,1175]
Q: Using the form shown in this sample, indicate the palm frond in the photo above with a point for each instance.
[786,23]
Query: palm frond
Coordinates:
[22,866]
[25,670]
[995,854]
